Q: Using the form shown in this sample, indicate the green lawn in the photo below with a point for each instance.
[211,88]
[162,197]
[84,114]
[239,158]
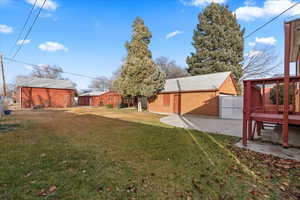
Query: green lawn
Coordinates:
[56,154]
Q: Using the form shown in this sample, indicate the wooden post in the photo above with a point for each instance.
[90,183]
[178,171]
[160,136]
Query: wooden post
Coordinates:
[249,88]
[294,97]
[277,96]
[3,76]
[247,125]
[259,127]
[264,97]
[250,136]
[287,46]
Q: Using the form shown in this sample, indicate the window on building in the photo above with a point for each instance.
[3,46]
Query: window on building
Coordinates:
[166,99]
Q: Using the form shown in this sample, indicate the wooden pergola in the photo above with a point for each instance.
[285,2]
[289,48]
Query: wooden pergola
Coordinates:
[256,113]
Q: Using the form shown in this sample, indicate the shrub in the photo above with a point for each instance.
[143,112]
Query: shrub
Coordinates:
[109,106]
[122,105]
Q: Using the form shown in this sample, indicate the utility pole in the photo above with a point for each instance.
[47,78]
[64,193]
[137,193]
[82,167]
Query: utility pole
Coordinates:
[3,76]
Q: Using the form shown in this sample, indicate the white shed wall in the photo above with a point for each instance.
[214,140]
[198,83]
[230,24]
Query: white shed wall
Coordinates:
[231,107]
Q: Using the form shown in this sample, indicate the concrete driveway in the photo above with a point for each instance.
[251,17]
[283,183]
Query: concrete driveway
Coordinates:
[206,124]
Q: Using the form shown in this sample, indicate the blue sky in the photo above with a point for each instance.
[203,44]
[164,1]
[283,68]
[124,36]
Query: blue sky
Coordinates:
[88,38]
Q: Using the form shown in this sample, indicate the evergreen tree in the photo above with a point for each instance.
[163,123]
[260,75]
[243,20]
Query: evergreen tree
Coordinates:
[140,77]
[218,40]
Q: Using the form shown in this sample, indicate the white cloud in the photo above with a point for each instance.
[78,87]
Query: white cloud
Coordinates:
[200,2]
[29,67]
[5,29]
[173,34]
[271,7]
[52,47]
[253,53]
[23,42]
[248,13]
[49,5]
[251,44]
[266,40]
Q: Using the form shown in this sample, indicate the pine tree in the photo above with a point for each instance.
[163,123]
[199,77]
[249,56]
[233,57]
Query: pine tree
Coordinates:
[219,44]
[140,77]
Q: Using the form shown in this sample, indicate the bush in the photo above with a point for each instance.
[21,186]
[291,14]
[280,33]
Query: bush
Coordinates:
[109,106]
[122,105]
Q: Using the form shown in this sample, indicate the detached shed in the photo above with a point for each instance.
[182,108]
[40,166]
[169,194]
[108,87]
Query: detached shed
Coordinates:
[44,92]
[194,94]
[89,98]
[97,98]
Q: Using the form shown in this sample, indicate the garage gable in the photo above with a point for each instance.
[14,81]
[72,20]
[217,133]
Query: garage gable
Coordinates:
[229,86]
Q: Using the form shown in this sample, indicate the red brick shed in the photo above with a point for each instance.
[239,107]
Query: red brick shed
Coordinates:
[44,92]
[100,99]
[194,94]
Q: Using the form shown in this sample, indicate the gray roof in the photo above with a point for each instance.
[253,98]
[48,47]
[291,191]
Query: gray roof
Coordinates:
[196,83]
[93,93]
[44,83]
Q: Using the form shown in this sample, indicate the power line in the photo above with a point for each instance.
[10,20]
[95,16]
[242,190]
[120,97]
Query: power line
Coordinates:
[38,66]
[271,20]
[24,26]
[28,32]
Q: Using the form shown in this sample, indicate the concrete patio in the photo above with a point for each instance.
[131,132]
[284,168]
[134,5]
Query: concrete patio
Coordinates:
[272,149]
[232,128]
[206,124]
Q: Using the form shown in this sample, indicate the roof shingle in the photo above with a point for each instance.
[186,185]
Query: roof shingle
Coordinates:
[93,93]
[44,83]
[196,83]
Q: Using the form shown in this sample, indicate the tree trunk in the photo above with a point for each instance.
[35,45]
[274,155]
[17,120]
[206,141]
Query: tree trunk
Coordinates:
[140,104]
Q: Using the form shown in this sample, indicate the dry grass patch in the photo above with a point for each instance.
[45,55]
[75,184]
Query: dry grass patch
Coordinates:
[126,114]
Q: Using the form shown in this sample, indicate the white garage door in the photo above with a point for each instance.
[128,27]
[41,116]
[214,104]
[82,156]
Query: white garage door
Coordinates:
[231,107]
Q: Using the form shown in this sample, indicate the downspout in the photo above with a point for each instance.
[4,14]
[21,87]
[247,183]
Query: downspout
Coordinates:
[179,97]
[20,101]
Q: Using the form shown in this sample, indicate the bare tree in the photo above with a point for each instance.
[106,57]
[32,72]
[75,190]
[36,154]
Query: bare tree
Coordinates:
[100,83]
[47,71]
[51,72]
[171,69]
[260,62]
[10,89]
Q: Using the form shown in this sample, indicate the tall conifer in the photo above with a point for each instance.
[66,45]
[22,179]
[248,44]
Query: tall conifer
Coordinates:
[219,44]
[140,77]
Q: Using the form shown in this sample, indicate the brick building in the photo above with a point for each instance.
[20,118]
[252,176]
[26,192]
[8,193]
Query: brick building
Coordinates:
[194,95]
[43,92]
[97,98]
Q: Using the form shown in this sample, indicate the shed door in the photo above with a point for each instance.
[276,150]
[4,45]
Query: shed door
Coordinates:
[176,106]
[231,107]
[85,101]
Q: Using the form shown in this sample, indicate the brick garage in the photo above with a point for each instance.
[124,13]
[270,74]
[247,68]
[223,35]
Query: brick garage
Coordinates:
[100,99]
[42,92]
[194,95]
